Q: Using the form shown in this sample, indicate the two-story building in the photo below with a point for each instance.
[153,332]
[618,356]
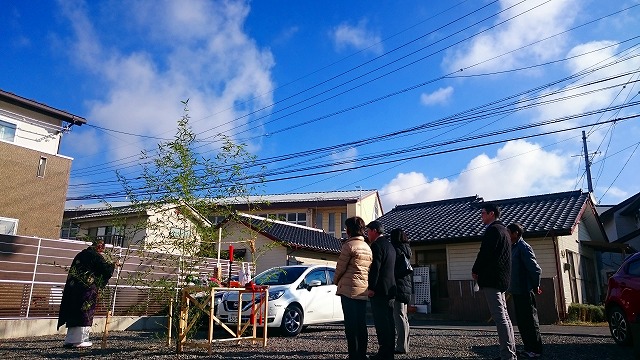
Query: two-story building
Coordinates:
[34,176]
[321,210]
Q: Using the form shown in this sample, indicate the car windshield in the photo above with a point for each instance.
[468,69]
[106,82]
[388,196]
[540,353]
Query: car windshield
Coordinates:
[279,276]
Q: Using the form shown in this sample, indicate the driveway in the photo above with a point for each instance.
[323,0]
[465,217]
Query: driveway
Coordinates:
[428,341]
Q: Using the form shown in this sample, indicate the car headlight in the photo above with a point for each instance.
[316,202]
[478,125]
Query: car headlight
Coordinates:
[276,294]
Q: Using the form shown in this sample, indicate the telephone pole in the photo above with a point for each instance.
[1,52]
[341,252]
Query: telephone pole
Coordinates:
[587,163]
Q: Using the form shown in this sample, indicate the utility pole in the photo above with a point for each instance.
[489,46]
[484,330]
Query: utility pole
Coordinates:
[587,163]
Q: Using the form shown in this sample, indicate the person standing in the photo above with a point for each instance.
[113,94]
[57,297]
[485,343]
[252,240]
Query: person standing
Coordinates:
[525,284]
[351,277]
[404,287]
[382,290]
[492,272]
[88,273]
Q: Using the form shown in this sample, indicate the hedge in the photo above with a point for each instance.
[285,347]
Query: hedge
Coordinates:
[586,313]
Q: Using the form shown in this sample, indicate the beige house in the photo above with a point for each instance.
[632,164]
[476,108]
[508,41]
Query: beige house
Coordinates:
[32,168]
[321,210]
[272,243]
[157,228]
[563,229]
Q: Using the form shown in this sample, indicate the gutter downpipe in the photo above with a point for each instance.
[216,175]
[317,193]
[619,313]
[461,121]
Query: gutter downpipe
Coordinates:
[563,311]
[33,277]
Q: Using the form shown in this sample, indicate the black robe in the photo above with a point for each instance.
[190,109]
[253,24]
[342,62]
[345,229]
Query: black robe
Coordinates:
[88,273]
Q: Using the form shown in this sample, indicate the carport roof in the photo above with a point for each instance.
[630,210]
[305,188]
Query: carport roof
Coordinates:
[295,236]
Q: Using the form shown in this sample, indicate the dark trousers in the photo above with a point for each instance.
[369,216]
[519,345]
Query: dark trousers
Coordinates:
[527,318]
[355,327]
[382,310]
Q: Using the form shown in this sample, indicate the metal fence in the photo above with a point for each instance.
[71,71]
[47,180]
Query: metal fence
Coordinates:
[33,272]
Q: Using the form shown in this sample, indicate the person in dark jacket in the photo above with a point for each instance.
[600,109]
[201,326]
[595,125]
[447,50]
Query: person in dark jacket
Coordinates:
[382,289]
[525,285]
[88,273]
[404,287]
[492,272]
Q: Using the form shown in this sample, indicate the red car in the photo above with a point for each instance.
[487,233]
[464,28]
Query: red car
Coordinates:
[623,300]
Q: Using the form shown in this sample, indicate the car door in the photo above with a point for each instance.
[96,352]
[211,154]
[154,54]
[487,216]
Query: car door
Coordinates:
[318,305]
[630,289]
[338,315]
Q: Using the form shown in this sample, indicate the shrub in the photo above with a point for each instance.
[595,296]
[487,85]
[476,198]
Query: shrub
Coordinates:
[586,313]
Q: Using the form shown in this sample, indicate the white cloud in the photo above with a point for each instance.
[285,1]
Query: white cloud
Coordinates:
[550,18]
[358,37]
[199,52]
[519,168]
[598,98]
[440,96]
[347,156]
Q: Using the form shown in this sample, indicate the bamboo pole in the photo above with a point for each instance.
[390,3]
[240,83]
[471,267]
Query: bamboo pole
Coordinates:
[105,333]
[169,322]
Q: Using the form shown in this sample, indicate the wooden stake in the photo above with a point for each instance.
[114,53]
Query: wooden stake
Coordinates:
[105,333]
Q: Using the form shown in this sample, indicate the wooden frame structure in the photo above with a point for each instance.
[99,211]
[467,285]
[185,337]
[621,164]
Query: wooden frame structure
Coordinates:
[203,299]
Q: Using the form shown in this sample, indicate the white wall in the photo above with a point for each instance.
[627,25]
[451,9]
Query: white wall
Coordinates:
[460,258]
[39,134]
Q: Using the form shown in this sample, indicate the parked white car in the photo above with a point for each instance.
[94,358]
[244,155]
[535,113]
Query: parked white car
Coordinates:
[299,295]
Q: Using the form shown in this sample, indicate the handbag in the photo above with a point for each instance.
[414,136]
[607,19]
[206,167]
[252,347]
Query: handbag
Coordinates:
[403,268]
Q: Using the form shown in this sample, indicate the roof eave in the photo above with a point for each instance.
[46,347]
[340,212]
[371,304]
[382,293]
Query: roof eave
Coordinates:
[41,108]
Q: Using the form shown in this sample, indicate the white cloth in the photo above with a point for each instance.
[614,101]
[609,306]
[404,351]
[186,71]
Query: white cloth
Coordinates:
[77,334]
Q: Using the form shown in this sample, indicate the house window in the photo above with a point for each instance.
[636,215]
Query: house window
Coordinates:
[7,131]
[376,211]
[343,218]
[8,226]
[573,281]
[332,224]
[297,218]
[113,235]
[215,220]
[319,220]
[69,230]
[42,165]
[178,233]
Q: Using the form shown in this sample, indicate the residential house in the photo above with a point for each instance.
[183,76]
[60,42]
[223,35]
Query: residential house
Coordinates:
[272,243]
[622,224]
[321,210]
[445,238]
[159,227]
[277,243]
[34,176]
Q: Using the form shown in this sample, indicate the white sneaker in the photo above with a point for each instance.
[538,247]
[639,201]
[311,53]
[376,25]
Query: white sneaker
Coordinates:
[83,344]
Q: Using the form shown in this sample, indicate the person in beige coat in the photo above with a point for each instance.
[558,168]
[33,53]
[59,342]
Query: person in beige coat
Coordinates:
[351,277]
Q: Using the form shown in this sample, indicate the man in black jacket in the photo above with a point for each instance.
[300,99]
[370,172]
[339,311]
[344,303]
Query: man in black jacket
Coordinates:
[492,271]
[382,290]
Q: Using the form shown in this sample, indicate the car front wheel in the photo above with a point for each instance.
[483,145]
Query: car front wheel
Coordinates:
[619,327]
[292,321]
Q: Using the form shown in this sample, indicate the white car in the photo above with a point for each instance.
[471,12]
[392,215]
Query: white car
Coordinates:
[299,295]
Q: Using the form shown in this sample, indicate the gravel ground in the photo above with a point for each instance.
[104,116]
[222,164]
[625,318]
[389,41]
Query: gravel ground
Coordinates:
[317,342]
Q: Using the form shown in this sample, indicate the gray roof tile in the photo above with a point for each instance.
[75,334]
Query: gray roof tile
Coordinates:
[458,220]
[296,236]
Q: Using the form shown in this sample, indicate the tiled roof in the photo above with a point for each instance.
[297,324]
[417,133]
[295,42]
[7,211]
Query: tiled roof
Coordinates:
[114,211]
[458,220]
[293,235]
[307,197]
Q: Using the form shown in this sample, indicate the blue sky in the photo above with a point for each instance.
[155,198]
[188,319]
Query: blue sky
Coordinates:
[378,78]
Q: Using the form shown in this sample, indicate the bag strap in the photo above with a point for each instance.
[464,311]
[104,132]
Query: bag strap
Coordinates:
[402,251]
